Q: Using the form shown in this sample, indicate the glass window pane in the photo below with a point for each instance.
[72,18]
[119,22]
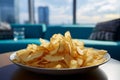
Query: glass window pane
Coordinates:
[14,11]
[23,11]
[56,11]
[93,11]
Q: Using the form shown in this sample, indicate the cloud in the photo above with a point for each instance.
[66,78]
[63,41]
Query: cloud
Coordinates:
[92,11]
[23,17]
[88,19]
[23,10]
[110,6]
[96,10]
[95,19]
[61,19]
[107,8]
[98,6]
[54,7]
[52,2]
[112,16]
[23,5]
[57,12]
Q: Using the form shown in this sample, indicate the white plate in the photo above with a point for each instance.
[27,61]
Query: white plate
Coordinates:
[58,71]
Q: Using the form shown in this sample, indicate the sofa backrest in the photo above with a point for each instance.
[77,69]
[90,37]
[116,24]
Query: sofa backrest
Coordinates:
[76,31]
[32,30]
[107,31]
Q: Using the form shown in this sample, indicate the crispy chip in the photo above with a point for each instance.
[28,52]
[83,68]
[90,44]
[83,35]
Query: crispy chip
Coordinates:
[51,58]
[60,52]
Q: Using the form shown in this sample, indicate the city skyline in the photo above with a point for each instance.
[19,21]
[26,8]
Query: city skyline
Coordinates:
[88,11]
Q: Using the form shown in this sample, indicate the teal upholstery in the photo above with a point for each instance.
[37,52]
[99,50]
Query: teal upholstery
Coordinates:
[32,30]
[76,31]
[11,45]
[32,34]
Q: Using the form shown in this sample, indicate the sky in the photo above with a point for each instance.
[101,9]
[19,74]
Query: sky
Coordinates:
[88,11]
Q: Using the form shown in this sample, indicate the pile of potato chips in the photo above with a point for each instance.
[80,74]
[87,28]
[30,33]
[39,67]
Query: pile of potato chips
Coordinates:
[60,52]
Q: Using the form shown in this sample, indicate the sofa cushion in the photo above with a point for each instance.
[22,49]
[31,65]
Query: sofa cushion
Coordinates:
[106,31]
[11,45]
[76,31]
[6,34]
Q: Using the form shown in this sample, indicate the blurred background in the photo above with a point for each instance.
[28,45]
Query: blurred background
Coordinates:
[58,11]
[95,22]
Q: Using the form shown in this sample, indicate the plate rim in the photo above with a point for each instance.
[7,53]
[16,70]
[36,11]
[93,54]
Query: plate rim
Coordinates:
[12,56]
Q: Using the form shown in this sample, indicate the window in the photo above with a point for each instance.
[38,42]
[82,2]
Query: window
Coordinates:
[59,11]
[55,11]
[23,11]
[94,11]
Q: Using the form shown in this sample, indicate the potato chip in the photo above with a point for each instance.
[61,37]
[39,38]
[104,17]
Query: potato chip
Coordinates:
[60,52]
[44,43]
[73,64]
[51,58]
[80,61]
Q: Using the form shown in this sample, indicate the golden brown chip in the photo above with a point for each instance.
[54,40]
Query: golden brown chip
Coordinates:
[60,52]
[51,58]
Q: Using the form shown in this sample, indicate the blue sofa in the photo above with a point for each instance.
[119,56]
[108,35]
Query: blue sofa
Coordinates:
[81,32]
[77,31]
[32,35]
[11,45]
[31,30]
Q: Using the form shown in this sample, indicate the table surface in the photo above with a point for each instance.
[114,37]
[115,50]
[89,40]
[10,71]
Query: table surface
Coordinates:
[9,71]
